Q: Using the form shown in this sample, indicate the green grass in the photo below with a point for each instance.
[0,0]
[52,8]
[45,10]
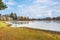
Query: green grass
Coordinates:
[8,33]
[3,24]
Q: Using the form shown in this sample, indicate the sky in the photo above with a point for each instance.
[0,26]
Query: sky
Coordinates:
[33,8]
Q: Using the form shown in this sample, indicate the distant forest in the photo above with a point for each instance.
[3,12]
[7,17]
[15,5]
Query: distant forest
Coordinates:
[13,16]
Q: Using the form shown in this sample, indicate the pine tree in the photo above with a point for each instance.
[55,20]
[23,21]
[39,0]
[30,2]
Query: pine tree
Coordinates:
[14,16]
[2,5]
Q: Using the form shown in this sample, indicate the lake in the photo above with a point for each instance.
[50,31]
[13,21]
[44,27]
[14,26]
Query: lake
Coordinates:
[45,25]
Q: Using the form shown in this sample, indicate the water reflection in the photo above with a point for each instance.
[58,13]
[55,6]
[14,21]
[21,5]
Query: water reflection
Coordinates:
[57,22]
[45,25]
[20,22]
[27,22]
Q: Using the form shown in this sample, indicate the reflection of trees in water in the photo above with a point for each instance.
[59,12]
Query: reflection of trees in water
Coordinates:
[16,23]
[57,21]
[22,22]
[48,21]
[53,21]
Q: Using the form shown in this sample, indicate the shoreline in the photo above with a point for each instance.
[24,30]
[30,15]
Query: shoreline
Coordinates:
[49,31]
[23,33]
[31,28]
[40,30]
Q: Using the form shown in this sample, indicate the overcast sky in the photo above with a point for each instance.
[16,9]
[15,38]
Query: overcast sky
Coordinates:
[33,8]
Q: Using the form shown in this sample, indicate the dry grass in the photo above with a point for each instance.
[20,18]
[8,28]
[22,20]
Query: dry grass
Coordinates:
[8,33]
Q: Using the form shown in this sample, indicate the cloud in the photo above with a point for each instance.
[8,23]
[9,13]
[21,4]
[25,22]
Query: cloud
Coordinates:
[50,13]
[10,2]
[33,9]
[38,8]
[3,0]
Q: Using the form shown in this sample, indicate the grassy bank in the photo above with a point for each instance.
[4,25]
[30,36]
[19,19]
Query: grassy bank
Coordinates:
[3,24]
[8,33]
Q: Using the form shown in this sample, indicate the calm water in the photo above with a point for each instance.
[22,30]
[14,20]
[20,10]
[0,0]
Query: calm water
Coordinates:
[45,25]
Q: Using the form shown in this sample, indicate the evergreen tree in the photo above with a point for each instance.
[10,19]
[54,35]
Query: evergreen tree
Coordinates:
[14,16]
[0,14]
[2,5]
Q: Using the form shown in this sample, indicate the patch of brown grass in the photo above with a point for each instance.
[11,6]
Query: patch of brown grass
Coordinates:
[9,33]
